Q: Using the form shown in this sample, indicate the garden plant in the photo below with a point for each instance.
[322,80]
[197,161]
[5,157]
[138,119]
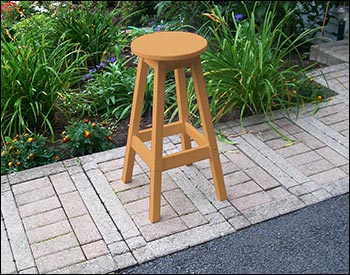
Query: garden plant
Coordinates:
[245,64]
[26,151]
[67,73]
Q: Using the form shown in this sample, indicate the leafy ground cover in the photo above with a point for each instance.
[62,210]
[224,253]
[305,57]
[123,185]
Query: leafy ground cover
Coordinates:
[67,74]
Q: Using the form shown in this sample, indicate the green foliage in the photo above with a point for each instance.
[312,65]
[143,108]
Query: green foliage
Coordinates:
[26,151]
[93,28]
[184,12]
[245,68]
[135,32]
[306,14]
[86,137]
[112,89]
[107,90]
[46,51]
[34,27]
[11,13]
[32,79]
[136,13]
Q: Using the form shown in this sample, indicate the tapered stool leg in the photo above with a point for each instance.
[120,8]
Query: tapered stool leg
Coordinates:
[208,129]
[135,118]
[157,142]
[181,94]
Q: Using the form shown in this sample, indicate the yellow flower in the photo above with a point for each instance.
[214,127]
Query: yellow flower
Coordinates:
[319,97]
[30,140]
[31,156]
[10,164]
[65,139]
[93,125]
[87,134]
[3,153]
[16,138]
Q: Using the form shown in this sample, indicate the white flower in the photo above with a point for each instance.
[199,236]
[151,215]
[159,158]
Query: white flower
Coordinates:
[40,9]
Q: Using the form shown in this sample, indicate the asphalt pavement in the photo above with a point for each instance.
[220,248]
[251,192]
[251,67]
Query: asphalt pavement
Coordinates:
[313,240]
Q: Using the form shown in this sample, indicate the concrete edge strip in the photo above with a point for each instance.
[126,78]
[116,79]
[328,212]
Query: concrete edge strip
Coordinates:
[5,184]
[279,161]
[100,265]
[276,172]
[327,135]
[330,69]
[36,172]
[16,233]
[338,187]
[7,261]
[204,185]
[104,223]
[113,205]
[182,240]
[196,196]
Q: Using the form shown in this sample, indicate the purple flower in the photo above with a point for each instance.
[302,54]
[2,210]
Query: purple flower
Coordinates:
[87,77]
[112,59]
[100,66]
[92,70]
[239,16]
[158,28]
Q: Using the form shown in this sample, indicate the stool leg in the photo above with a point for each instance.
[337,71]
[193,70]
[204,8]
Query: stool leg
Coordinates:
[157,142]
[181,94]
[208,128]
[135,118]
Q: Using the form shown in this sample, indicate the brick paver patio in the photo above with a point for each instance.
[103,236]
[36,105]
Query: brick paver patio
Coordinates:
[76,216]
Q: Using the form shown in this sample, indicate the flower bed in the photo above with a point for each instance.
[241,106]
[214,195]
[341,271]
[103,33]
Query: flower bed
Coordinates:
[66,69]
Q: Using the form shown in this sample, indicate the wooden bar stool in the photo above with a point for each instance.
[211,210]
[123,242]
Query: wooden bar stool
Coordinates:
[165,51]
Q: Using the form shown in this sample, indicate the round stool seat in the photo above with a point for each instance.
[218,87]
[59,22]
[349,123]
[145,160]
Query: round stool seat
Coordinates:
[168,46]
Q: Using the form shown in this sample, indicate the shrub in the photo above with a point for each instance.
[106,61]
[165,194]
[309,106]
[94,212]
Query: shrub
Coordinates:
[93,28]
[26,151]
[109,87]
[33,76]
[112,89]
[245,65]
[306,14]
[13,12]
[86,137]
[187,13]
[136,13]
[105,91]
